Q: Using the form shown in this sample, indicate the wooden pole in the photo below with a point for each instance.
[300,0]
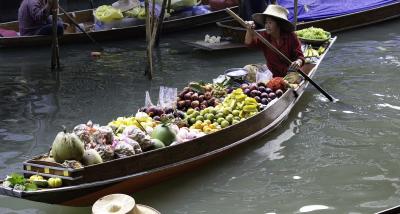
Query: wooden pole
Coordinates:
[160,23]
[55,55]
[275,50]
[149,53]
[295,13]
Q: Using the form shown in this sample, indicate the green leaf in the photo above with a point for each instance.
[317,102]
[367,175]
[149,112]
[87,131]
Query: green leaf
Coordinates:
[15,179]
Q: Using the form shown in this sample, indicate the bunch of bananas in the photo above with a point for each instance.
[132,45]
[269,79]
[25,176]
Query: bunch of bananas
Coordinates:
[310,52]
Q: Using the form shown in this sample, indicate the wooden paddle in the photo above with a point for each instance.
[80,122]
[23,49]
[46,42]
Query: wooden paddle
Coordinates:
[80,28]
[263,40]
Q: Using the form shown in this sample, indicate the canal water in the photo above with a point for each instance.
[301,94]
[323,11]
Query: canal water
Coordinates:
[325,158]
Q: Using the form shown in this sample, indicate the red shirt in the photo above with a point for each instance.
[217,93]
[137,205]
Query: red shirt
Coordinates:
[289,45]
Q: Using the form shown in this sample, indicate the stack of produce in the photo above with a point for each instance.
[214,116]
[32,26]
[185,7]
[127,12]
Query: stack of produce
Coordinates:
[196,96]
[238,103]
[313,33]
[146,123]
[262,93]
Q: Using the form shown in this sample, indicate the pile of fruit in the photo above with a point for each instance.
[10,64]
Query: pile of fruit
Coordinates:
[196,96]
[313,33]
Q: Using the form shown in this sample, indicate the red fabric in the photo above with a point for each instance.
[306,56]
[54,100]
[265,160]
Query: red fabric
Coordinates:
[7,33]
[222,4]
[290,46]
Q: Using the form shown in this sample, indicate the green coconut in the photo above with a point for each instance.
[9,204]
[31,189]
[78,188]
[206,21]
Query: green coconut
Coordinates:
[164,133]
[158,144]
[91,157]
[67,146]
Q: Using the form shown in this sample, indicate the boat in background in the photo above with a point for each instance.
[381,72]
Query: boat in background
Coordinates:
[234,34]
[86,18]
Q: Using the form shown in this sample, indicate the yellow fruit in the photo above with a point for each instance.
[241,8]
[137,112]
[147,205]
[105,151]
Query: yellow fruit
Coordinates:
[55,182]
[35,177]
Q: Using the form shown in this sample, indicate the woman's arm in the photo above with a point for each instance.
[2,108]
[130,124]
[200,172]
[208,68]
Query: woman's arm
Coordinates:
[248,40]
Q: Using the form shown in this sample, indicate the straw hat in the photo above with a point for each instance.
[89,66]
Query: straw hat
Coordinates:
[120,204]
[277,12]
[125,5]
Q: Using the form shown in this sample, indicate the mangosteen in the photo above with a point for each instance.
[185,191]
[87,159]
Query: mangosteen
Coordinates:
[272,95]
[202,107]
[195,103]
[211,101]
[207,95]
[253,93]
[188,103]
[247,91]
[197,109]
[158,118]
[258,93]
[244,86]
[188,96]
[201,98]
[253,86]
[268,90]
[258,99]
[261,88]
[264,95]
[169,110]
[195,96]
[279,92]
[181,104]
[269,99]
[205,103]
[229,90]
[264,101]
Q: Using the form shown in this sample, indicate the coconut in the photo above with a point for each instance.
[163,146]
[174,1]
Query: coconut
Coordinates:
[164,133]
[91,157]
[67,146]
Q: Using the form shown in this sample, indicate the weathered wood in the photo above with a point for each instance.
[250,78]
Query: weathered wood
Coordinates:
[133,173]
[295,13]
[55,50]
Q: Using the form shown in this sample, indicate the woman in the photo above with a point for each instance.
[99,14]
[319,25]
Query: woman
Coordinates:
[279,32]
[34,18]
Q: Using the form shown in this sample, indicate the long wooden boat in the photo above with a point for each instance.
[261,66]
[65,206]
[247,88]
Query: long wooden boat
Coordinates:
[171,24]
[135,172]
[231,29]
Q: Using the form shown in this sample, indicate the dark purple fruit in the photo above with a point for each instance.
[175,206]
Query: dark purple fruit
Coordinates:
[258,93]
[188,103]
[181,114]
[253,93]
[211,101]
[264,95]
[195,96]
[279,92]
[261,88]
[229,90]
[188,96]
[272,95]
[195,103]
[253,86]
[197,109]
[207,95]
[244,86]
[201,98]
[169,110]
[202,107]
[264,101]
[268,90]
[258,99]
[247,91]
[158,118]
[205,103]
[181,104]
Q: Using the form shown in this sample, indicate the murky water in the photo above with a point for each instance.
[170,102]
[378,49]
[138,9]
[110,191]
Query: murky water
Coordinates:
[326,158]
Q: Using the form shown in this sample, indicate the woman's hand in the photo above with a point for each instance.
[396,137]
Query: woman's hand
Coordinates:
[295,65]
[250,25]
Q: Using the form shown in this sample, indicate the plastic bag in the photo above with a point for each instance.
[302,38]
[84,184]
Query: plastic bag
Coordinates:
[263,76]
[107,13]
[147,101]
[167,97]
